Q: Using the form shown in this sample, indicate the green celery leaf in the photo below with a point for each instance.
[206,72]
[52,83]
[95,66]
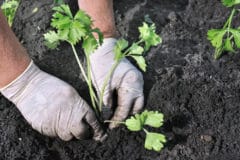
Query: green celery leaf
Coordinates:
[136,50]
[51,39]
[61,22]
[154,119]
[216,37]
[100,35]
[89,45]
[154,141]
[134,123]
[63,34]
[122,44]
[228,45]
[9,5]
[141,62]
[68,29]
[230,3]
[9,9]
[148,35]
[143,116]
[63,9]
[119,47]
[236,36]
[72,37]
[83,18]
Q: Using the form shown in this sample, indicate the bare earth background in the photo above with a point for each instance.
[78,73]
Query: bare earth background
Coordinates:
[198,95]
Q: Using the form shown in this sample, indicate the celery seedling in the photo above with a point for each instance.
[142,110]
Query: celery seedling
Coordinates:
[122,49]
[74,29]
[227,38]
[154,141]
[9,8]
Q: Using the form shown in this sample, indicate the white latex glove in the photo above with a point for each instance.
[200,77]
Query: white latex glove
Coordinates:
[51,106]
[126,80]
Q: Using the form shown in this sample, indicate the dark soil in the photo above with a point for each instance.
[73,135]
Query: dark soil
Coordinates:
[198,95]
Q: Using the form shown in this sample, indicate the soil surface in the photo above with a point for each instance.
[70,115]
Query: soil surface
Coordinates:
[198,95]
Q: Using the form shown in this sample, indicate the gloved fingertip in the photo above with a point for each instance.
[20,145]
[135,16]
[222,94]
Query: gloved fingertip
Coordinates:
[100,137]
[113,125]
[138,105]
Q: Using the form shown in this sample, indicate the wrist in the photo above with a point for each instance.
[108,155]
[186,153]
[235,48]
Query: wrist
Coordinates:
[11,70]
[14,89]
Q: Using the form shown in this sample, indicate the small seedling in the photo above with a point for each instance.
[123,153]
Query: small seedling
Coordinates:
[9,8]
[122,49]
[227,38]
[74,29]
[154,141]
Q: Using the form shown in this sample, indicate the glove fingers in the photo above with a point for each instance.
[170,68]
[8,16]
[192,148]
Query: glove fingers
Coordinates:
[99,134]
[107,99]
[80,131]
[107,105]
[138,105]
[126,98]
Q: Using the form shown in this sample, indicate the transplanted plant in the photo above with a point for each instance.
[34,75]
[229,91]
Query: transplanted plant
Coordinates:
[9,8]
[226,38]
[122,49]
[153,141]
[75,28]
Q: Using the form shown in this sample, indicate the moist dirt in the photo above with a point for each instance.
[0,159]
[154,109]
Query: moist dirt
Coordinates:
[198,95]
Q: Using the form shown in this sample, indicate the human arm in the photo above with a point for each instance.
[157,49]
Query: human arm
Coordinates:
[51,106]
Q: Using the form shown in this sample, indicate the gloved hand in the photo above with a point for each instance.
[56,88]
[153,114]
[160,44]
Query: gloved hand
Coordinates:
[126,80]
[51,106]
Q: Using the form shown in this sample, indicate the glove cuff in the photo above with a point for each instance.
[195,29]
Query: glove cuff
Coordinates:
[17,86]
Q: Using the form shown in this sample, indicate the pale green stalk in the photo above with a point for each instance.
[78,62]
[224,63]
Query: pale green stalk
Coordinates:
[118,122]
[93,96]
[109,75]
[91,91]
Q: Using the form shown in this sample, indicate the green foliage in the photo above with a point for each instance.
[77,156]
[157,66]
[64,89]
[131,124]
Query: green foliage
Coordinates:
[154,119]
[226,39]
[52,39]
[9,8]
[136,52]
[148,35]
[148,38]
[72,29]
[134,123]
[120,46]
[153,141]
[150,118]
[216,37]
[230,3]
[122,49]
